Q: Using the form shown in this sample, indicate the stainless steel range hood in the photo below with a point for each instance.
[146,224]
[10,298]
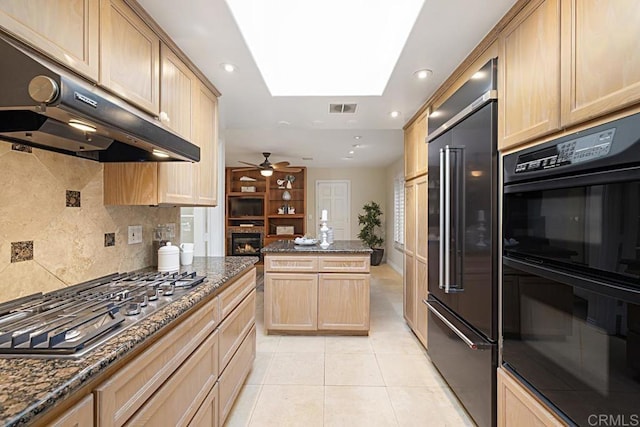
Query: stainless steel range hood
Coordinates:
[45,106]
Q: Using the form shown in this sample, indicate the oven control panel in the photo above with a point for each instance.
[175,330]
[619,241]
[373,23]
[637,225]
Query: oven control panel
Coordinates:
[582,149]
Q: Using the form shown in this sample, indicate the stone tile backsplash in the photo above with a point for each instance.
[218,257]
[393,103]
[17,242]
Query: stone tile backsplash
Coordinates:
[71,245]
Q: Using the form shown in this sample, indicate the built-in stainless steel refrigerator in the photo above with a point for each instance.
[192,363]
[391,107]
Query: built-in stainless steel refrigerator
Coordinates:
[463,200]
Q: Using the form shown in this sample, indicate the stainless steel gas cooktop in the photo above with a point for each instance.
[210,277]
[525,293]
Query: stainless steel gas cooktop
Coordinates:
[72,321]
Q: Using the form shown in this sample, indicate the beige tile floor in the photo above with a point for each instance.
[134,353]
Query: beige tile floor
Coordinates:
[385,379]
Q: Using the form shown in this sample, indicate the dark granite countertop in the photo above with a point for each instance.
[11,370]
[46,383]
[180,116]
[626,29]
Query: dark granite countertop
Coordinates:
[337,247]
[29,386]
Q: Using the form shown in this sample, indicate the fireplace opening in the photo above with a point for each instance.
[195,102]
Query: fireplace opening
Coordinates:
[246,244]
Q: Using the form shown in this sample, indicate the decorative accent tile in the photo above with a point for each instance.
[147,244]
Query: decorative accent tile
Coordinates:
[73,199]
[21,251]
[21,147]
[109,239]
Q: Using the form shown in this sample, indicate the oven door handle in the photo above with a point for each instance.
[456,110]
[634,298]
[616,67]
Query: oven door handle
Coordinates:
[468,341]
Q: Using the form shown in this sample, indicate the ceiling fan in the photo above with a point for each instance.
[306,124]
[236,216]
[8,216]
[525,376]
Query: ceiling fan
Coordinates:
[266,168]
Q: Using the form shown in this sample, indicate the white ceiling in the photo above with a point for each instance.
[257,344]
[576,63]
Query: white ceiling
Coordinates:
[445,32]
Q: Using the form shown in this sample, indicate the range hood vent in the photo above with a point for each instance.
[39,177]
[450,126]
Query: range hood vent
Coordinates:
[342,108]
[39,100]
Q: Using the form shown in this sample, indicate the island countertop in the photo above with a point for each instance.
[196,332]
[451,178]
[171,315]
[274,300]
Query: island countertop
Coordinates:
[337,247]
[30,386]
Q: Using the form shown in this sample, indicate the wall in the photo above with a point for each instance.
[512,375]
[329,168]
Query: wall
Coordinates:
[366,184]
[395,256]
[68,243]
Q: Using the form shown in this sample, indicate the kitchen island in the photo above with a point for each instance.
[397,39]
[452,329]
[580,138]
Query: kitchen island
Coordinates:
[310,290]
[206,338]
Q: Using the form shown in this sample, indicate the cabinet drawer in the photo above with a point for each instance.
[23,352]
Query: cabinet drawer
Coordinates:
[232,295]
[79,415]
[233,376]
[346,264]
[291,263]
[178,400]
[122,395]
[235,328]
[207,415]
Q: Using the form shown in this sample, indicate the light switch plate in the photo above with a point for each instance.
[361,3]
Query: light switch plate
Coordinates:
[135,234]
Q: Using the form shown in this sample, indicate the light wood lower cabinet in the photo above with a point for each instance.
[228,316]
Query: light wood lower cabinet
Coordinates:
[415,256]
[291,301]
[179,398]
[232,378]
[343,302]
[81,414]
[207,415]
[326,297]
[175,380]
[518,407]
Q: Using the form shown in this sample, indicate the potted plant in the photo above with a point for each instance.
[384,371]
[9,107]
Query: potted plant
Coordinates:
[370,223]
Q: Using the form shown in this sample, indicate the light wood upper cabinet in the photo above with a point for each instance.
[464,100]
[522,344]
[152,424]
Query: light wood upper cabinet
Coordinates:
[129,56]
[600,61]
[178,86]
[415,148]
[67,32]
[529,74]
[206,137]
[518,407]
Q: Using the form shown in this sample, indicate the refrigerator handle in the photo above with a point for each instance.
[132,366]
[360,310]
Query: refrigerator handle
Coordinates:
[447,219]
[461,217]
[443,213]
[472,345]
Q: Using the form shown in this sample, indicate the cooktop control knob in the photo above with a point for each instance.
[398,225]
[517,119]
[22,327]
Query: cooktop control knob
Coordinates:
[43,89]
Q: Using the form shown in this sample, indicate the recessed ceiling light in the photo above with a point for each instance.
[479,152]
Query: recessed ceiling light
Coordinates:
[394,114]
[284,123]
[347,158]
[325,36]
[356,145]
[229,68]
[423,74]
[351,151]
[357,137]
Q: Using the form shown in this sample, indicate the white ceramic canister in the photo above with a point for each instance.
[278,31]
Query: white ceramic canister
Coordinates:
[168,258]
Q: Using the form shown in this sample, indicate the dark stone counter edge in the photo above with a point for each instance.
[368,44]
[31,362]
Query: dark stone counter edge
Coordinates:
[31,402]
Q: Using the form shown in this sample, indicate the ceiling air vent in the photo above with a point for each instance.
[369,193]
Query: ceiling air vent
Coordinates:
[342,108]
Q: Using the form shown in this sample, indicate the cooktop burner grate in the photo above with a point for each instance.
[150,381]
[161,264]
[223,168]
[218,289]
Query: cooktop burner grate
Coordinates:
[70,322]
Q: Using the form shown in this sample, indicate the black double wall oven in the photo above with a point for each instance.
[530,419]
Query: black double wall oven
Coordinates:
[571,272]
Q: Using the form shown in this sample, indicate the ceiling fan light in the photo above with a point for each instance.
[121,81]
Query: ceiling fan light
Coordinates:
[266,172]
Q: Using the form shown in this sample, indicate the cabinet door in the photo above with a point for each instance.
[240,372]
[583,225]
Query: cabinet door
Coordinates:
[180,397]
[177,183]
[529,74]
[129,56]
[600,65]
[415,148]
[518,407]
[343,302]
[207,415]
[81,414]
[206,137]
[291,301]
[420,275]
[66,30]
[409,254]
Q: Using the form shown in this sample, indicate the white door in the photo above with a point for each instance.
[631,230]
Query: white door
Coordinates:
[335,197]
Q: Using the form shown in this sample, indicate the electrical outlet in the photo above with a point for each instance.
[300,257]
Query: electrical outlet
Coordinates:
[135,234]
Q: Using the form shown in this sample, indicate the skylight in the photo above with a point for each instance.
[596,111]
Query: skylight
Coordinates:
[325,47]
